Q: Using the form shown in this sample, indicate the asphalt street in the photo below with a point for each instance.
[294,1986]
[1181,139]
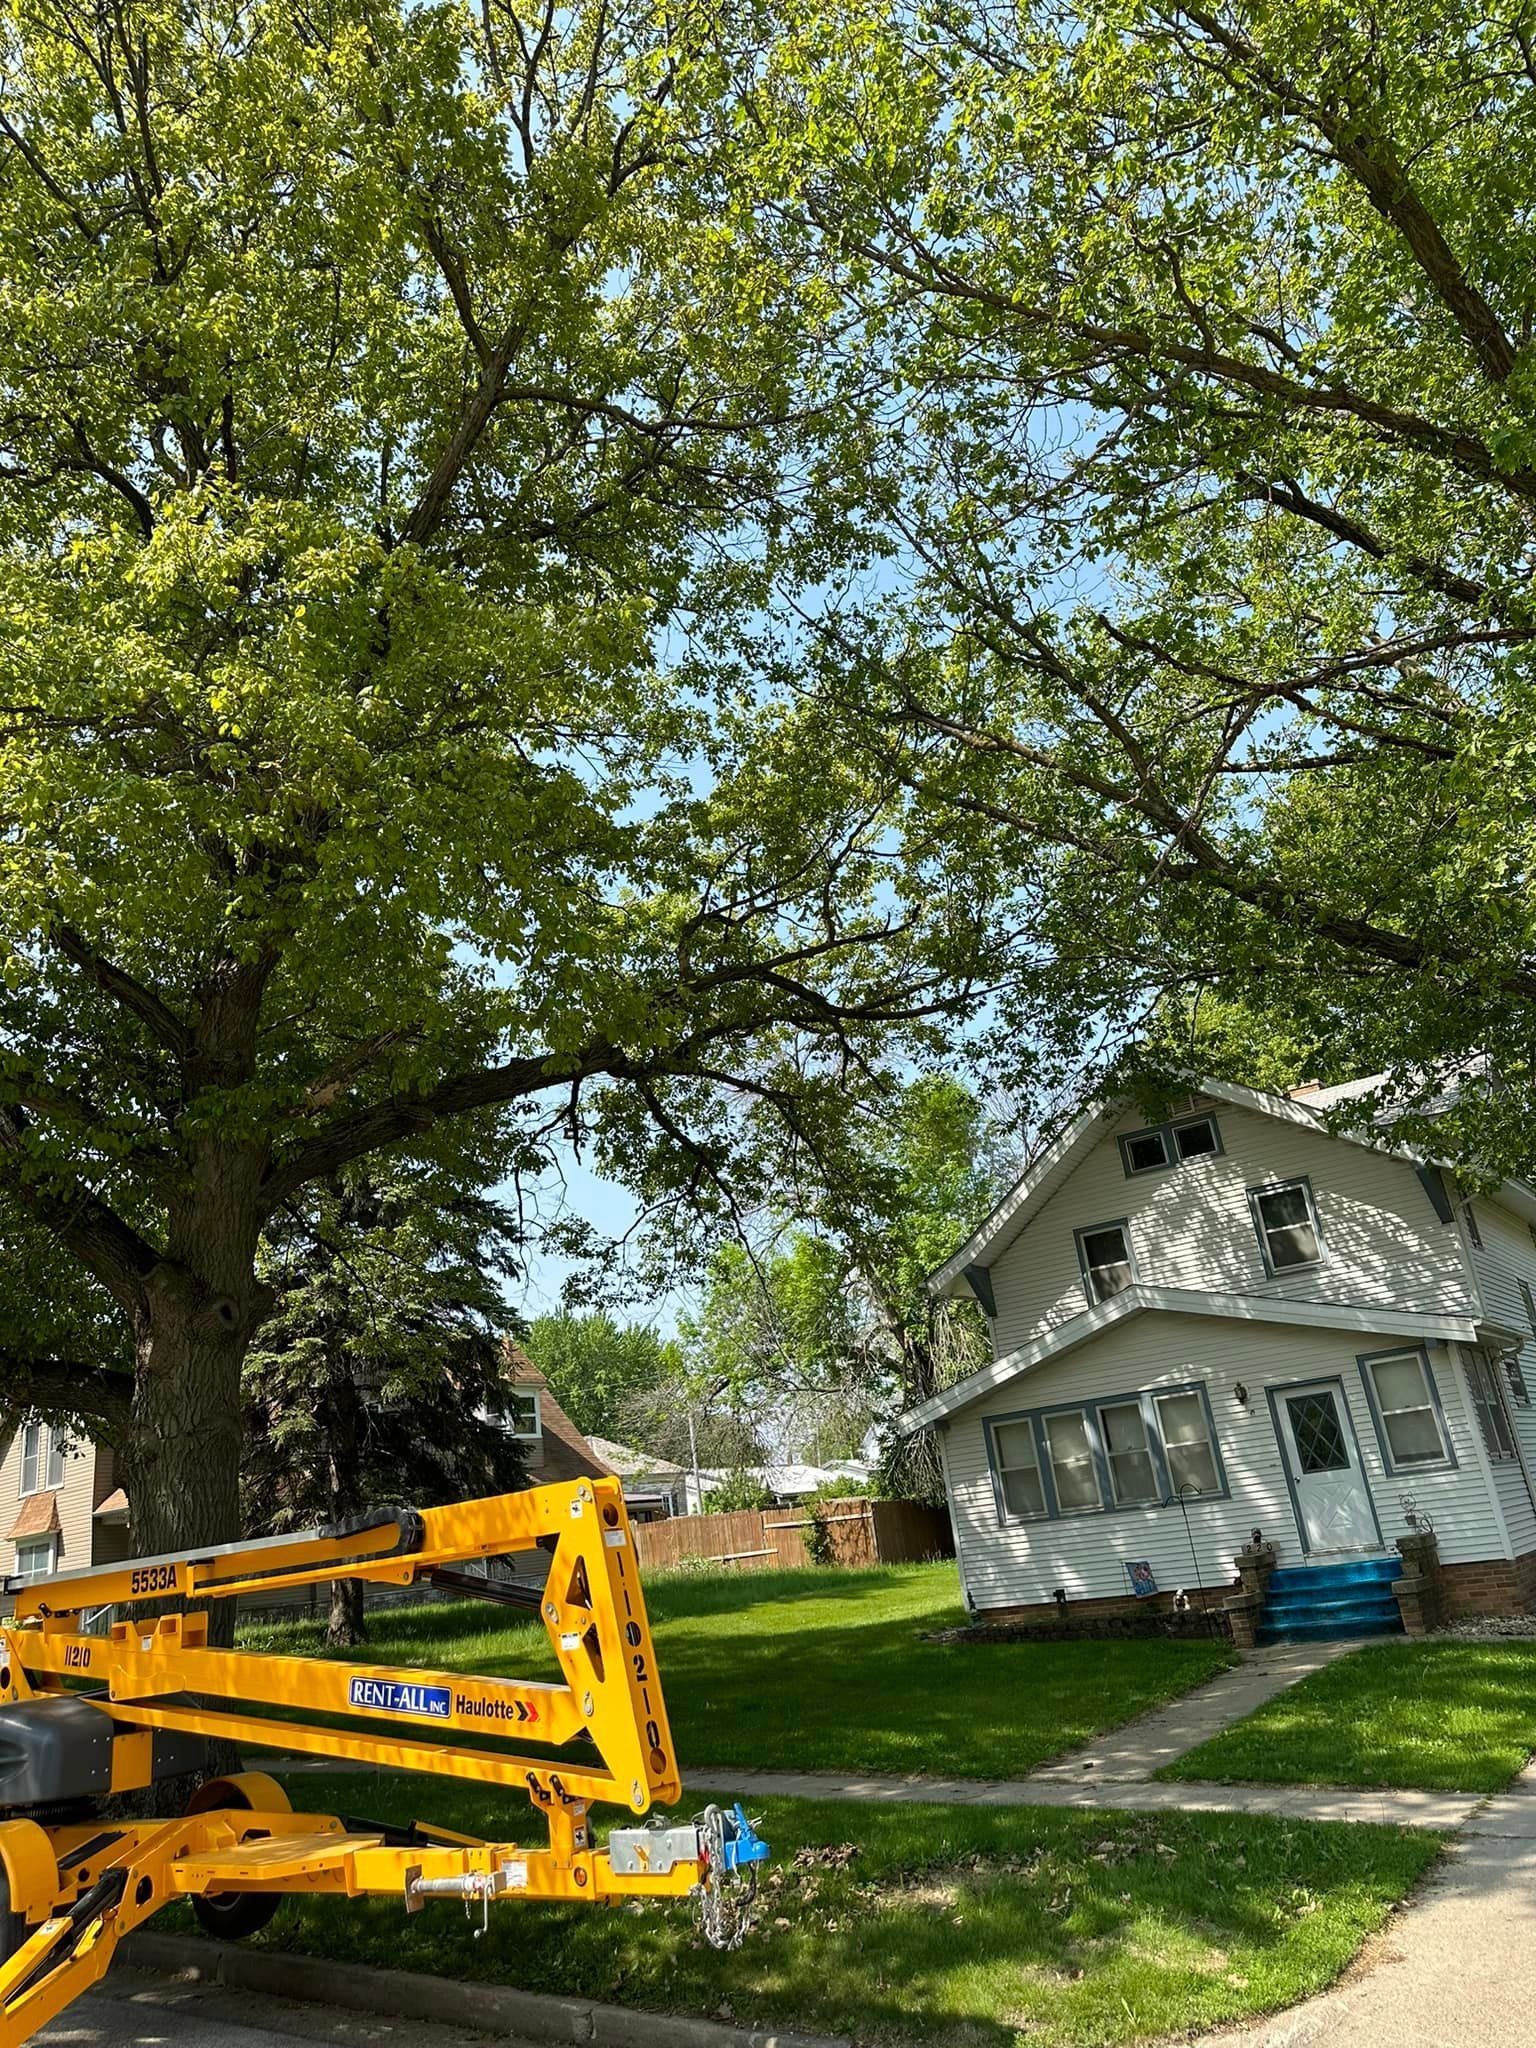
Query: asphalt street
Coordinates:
[132,2010]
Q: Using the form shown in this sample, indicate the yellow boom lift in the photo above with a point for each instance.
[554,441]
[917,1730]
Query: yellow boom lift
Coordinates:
[85,1717]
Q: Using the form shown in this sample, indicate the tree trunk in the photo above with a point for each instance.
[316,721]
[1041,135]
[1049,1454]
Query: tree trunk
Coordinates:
[201,1307]
[346,1627]
[342,1422]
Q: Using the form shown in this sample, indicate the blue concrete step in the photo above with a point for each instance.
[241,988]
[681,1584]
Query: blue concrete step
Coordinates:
[1354,1572]
[1321,1631]
[1312,1603]
[1332,1607]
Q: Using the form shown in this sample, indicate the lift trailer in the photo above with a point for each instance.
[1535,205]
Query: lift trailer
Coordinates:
[86,1717]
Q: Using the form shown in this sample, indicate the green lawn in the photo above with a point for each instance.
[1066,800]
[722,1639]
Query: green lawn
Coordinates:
[947,1925]
[1445,1716]
[827,1670]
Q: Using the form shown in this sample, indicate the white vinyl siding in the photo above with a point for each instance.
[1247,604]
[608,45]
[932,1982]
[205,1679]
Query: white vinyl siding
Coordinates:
[1505,1257]
[1191,1226]
[1021,1563]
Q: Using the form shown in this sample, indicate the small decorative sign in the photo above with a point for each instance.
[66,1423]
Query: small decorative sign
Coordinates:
[1142,1581]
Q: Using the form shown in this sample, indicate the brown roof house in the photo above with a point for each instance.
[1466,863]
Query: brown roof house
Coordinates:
[60,1506]
[554,1449]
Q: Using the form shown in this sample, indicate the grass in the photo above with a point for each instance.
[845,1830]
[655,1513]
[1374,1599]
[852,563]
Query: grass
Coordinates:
[827,1670]
[1446,1717]
[947,1925]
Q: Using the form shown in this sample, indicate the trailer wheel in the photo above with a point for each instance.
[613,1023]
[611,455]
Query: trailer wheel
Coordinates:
[13,1926]
[234,1916]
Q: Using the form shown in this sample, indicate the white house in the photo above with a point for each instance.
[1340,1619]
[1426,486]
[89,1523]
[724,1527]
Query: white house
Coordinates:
[1232,1320]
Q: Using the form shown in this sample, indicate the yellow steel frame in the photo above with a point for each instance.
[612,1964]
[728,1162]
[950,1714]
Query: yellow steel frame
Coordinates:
[81,1888]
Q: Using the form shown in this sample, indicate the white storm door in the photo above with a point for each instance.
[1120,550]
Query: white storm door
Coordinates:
[1318,1444]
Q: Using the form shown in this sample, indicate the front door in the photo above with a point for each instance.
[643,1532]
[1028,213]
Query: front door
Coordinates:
[1318,1444]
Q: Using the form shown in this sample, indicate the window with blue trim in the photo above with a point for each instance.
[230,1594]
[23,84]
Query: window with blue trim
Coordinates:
[1405,1400]
[1129,1451]
[1160,1146]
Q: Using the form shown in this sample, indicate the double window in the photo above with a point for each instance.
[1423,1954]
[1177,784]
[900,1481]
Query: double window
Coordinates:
[36,1557]
[1133,1450]
[1285,1217]
[1106,1260]
[1406,1409]
[1160,1146]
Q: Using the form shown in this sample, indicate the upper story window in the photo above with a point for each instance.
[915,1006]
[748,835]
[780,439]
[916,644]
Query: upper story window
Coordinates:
[1285,1217]
[43,1452]
[527,1423]
[1164,1145]
[1469,1217]
[1105,1257]
[36,1557]
[32,1457]
[1403,1399]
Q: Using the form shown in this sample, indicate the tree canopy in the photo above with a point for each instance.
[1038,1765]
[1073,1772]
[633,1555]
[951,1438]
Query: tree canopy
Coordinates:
[596,1367]
[1200,482]
[375,431]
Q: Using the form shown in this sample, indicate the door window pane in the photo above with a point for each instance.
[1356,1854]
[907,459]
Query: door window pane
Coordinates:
[1106,1257]
[1405,1399]
[1018,1467]
[1319,1433]
[1187,1443]
[1132,1476]
[1072,1467]
[1287,1226]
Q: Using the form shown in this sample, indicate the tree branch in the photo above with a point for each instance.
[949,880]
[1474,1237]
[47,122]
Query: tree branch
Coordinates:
[55,1386]
[125,989]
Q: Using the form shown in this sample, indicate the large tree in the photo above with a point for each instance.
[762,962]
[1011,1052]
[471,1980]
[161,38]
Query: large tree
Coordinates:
[1203,484]
[369,430]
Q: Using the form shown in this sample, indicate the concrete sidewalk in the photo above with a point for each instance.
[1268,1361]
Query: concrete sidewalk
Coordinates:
[1441,1810]
[1457,1967]
[1142,1747]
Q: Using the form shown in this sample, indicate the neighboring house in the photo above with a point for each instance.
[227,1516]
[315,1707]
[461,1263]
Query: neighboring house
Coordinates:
[654,1489]
[792,1482]
[553,1447]
[66,1509]
[60,1506]
[1233,1317]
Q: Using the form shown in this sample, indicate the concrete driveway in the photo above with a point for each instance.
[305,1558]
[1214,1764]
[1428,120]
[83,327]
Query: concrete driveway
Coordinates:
[132,2010]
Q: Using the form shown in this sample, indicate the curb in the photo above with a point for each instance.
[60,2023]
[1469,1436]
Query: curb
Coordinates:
[406,1995]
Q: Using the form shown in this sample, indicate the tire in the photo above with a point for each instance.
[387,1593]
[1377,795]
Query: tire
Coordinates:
[235,1916]
[13,1926]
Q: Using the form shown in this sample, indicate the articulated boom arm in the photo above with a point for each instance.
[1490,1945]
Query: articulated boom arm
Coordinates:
[83,1716]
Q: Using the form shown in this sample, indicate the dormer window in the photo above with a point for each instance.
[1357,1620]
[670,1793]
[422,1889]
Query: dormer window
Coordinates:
[1160,1146]
[527,1426]
[1104,1255]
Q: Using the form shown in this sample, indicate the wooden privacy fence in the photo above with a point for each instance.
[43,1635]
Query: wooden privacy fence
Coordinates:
[858,1532]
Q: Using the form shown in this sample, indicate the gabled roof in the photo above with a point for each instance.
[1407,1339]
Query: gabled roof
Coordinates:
[1034,1188]
[633,1464]
[562,1452]
[1138,1300]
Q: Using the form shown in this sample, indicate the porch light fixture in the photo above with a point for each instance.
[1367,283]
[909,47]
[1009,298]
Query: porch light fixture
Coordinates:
[1241,1394]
